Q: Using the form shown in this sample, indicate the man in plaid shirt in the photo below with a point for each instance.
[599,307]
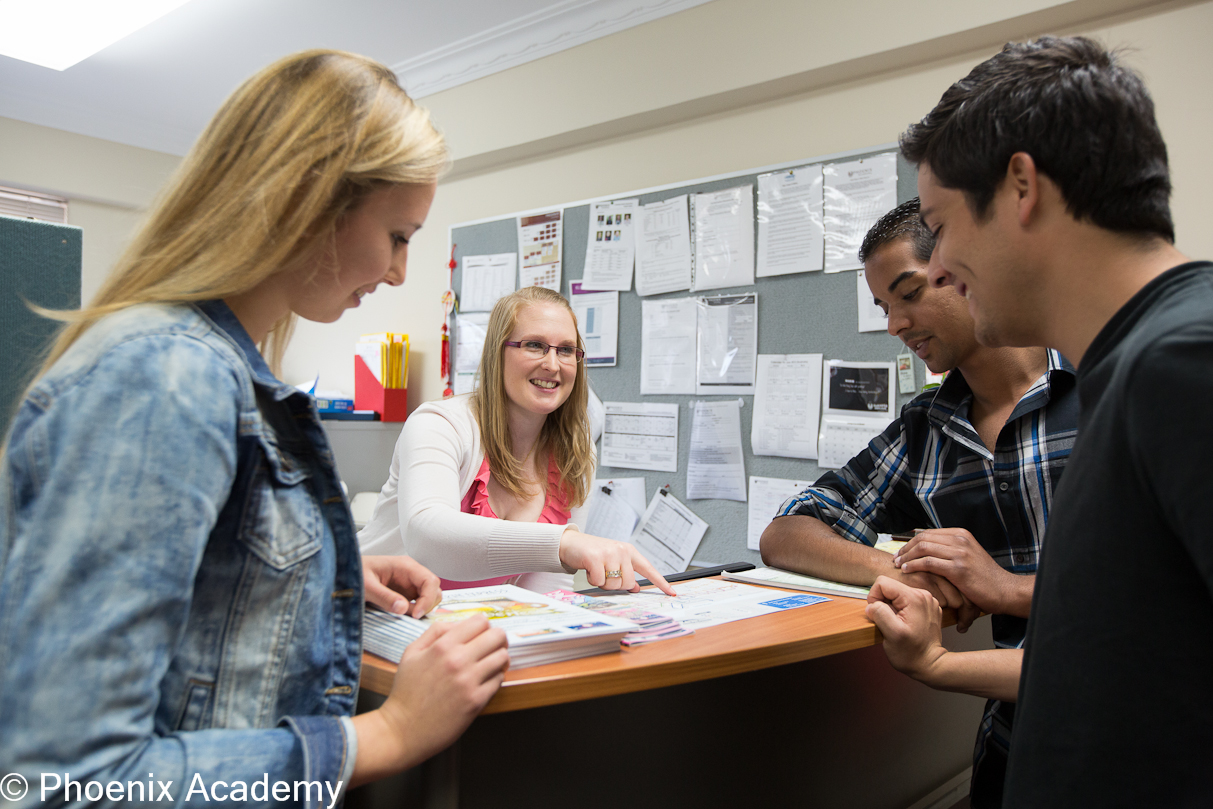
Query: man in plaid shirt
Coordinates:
[974,462]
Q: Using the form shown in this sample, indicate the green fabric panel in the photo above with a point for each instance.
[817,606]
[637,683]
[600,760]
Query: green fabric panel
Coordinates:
[39,263]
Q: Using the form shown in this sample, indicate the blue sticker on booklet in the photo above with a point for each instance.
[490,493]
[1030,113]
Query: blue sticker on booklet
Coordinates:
[794,601]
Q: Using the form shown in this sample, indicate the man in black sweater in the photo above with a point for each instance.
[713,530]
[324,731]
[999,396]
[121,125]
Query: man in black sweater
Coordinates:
[1044,177]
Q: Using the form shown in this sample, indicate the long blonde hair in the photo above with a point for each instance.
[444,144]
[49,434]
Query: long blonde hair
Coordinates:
[565,437]
[295,148]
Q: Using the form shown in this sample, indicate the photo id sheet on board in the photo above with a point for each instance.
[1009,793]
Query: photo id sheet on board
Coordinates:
[723,235]
[470,332]
[669,533]
[787,405]
[540,245]
[667,345]
[640,435]
[715,465]
[598,320]
[663,247]
[766,496]
[856,195]
[871,317]
[857,404]
[790,231]
[485,279]
[614,508]
[610,251]
[727,344]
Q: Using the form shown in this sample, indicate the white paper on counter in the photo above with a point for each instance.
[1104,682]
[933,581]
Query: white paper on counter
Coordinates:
[663,247]
[669,533]
[856,195]
[787,405]
[667,345]
[724,238]
[715,464]
[485,279]
[766,496]
[640,435]
[610,251]
[613,513]
[857,404]
[727,344]
[790,231]
[871,317]
[470,330]
[598,321]
[540,245]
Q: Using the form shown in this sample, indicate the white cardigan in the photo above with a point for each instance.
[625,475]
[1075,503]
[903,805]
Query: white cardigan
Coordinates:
[418,512]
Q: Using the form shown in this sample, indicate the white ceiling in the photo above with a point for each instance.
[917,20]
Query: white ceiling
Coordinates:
[158,87]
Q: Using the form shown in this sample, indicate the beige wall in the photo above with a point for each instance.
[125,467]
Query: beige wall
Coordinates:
[678,107]
[108,185]
[722,87]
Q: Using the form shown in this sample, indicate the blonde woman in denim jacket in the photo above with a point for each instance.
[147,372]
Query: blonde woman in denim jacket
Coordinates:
[180,587]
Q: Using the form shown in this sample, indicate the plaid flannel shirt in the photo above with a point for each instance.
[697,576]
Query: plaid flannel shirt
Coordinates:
[929,468]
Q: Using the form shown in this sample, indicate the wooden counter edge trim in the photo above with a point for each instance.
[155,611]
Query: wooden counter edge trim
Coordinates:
[560,690]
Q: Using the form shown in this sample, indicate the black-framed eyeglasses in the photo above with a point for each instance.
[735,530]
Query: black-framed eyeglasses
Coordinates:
[538,350]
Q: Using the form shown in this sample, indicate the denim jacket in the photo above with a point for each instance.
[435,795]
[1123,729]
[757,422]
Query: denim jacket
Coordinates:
[180,586]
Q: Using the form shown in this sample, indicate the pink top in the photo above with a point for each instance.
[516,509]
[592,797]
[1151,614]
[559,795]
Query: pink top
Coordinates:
[476,501]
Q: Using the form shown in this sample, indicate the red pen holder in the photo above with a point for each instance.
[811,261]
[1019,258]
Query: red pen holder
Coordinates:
[390,403]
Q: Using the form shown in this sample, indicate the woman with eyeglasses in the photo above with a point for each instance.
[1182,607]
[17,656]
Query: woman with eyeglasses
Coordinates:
[490,487]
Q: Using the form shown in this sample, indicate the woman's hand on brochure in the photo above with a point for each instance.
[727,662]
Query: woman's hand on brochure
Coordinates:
[391,582]
[911,621]
[598,557]
[445,679]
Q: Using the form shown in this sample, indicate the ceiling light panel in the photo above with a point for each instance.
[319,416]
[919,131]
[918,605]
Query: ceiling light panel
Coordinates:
[59,33]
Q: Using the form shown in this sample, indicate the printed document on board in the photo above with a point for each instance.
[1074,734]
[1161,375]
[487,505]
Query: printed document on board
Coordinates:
[856,195]
[598,320]
[663,248]
[857,404]
[640,435]
[871,317]
[611,512]
[728,344]
[667,345]
[724,238]
[715,465]
[766,496]
[790,231]
[669,533]
[787,403]
[470,330]
[485,279]
[610,250]
[540,245]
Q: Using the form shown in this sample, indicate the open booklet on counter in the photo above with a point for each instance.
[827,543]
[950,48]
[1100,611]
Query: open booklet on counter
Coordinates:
[539,629]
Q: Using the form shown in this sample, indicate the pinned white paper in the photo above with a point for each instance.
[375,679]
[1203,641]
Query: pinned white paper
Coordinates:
[715,466]
[485,279]
[727,345]
[871,316]
[640,435]
[540,240]
[667,345]
[856,195]
[766,496]
[598,321]
[668,534]
[790,230]
[610,251]
[470,330]
[724,238]
[663,247]
[787,405]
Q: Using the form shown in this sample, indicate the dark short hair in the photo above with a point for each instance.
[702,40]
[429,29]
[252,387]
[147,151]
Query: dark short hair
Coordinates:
[1086,120]
[902,222]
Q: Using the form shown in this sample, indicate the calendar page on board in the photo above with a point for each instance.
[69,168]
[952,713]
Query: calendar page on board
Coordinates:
[858,400]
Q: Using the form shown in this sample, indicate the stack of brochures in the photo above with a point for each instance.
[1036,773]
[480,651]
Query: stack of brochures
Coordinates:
[774,577]
[652,626]
[539,629]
